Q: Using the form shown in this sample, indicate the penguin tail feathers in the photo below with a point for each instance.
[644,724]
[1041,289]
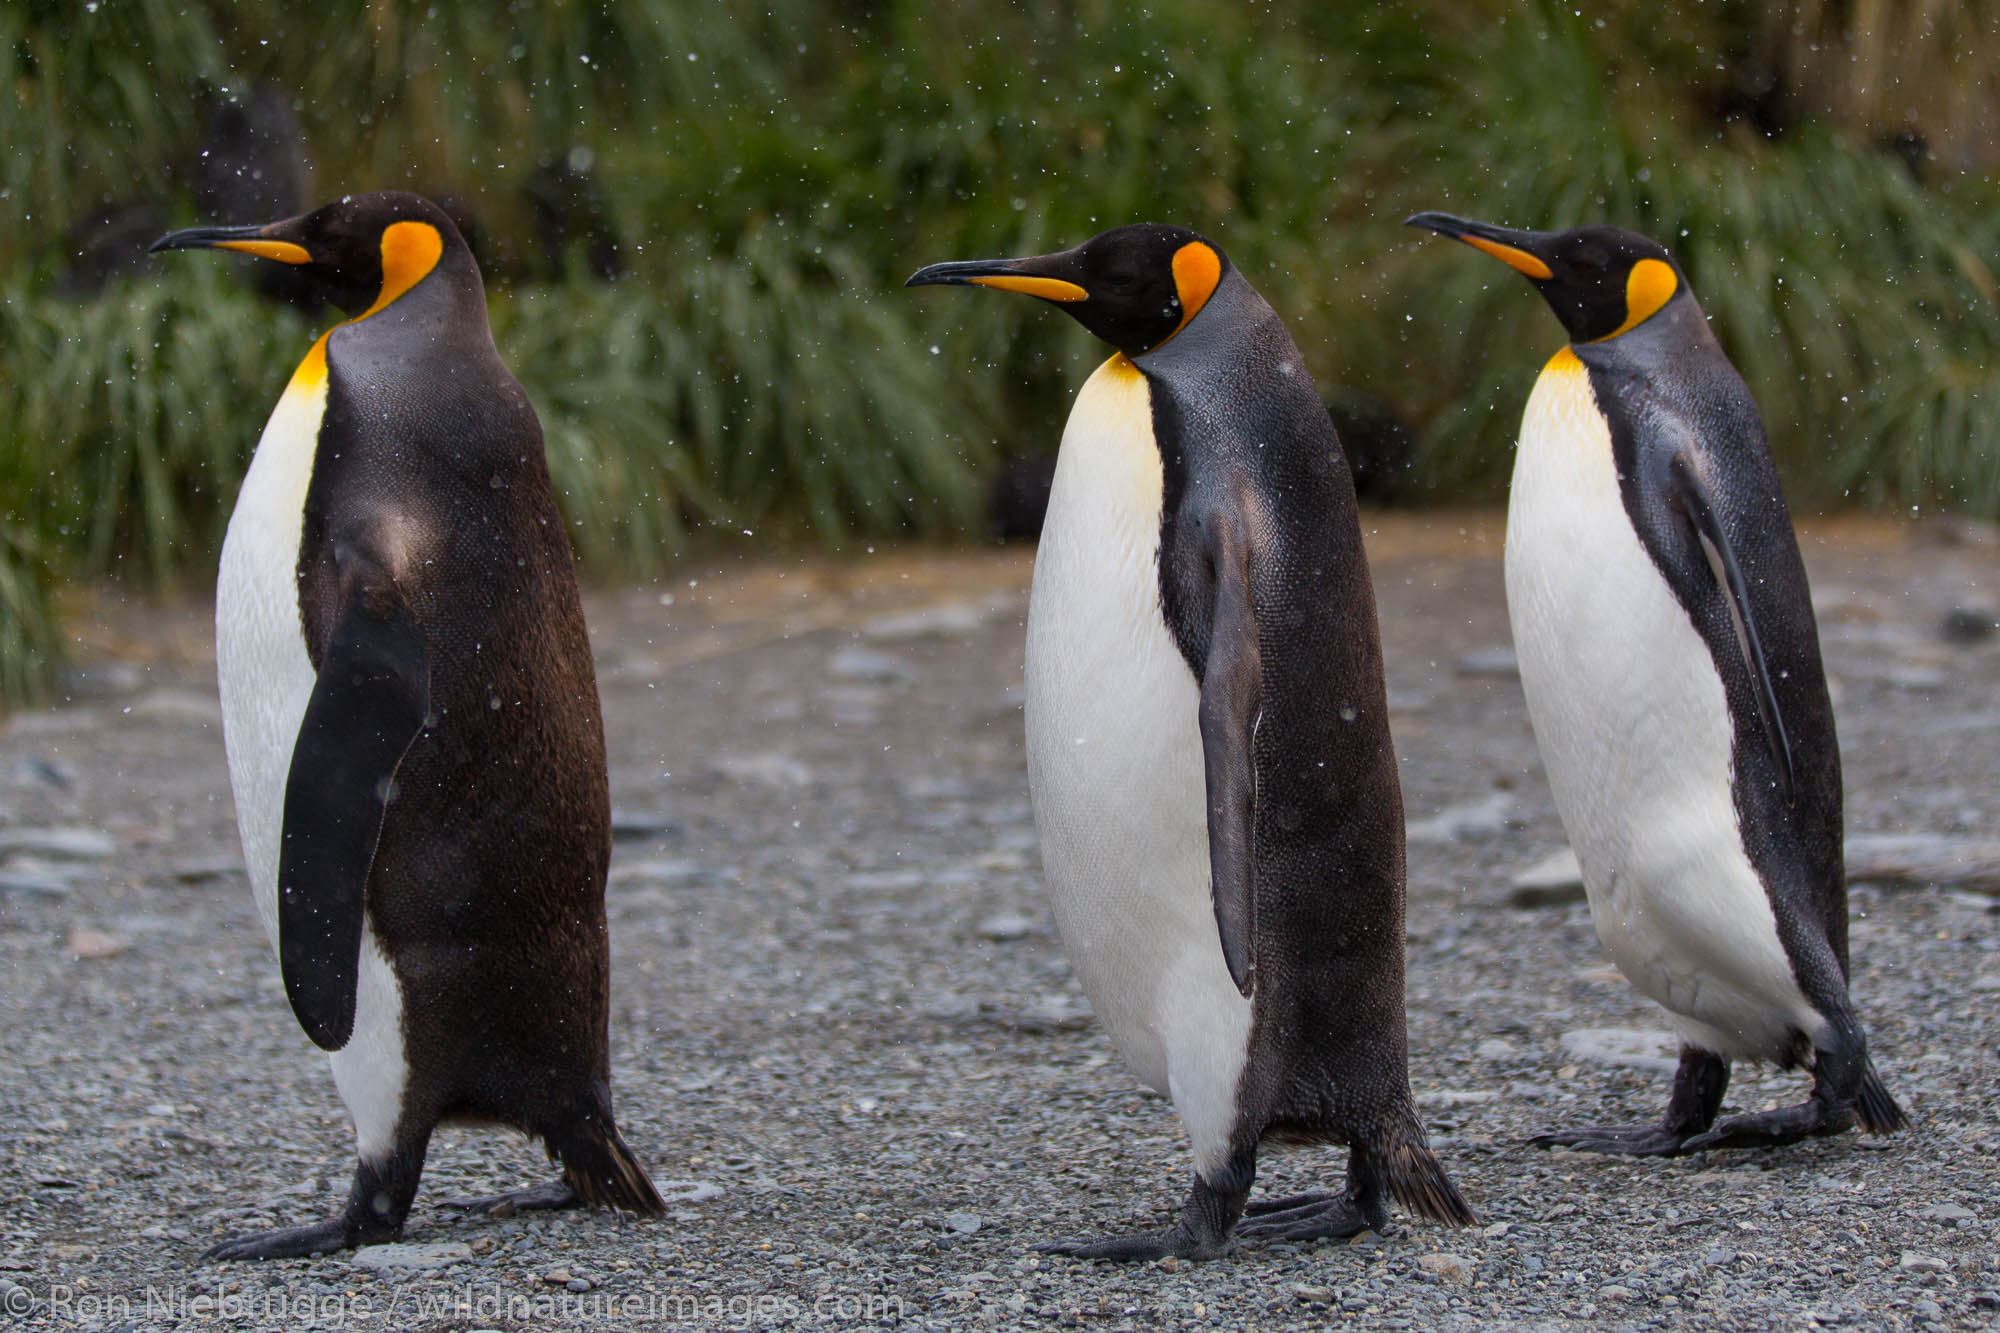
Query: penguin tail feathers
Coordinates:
[1415,1179]
[1875,1108]
[599,1166]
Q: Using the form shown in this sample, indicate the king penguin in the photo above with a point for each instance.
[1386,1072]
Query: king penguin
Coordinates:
[411,721]
[1208,743]
[1671,665]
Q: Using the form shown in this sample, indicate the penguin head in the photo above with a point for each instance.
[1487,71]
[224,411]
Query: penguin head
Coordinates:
[365,249]
[1135,287]
[1600,281]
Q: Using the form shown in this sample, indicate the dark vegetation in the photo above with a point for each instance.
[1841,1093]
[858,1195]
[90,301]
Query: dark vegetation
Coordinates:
[695,220]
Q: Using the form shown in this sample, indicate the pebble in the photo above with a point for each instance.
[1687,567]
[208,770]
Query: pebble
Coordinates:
[628,825]
[687,1191]
[1454,1268]
[1550,882]
[1924,859]
[1483,818]
[1495,1048]
[1951,1214]
[74,844]
[865,664]
[1970,624]
[1489,662]
[1623,1048]
[435,1254]
[95,944]
[31,886]
[764,770]
[965,1224]
[1006,926]
[1913,1262]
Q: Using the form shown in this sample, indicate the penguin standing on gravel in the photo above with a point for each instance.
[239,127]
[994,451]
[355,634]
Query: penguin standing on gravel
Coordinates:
[412,726]
[1208,742]
[1671,665]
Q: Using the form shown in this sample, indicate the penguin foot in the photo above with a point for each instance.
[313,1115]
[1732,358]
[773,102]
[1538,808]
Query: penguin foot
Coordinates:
[1770,1129]
[1144,1248]
[296,1242]
[535,1198]
[1623,1140]
[1317,1215]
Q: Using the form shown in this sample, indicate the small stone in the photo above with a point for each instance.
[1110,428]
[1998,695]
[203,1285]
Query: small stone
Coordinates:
[1489,662]
[1441,1097]
[557,1277]
[436,1254]
[1927,1309]
[965,1224]
[865,664]
[31,886]
[1550,882]
[764,770]
[1719,1257]
[946,620]
[1313,1295]
[687,1191]
[641,826]
[1472,820]
[1497,1230]
[1950,1214]
[1495,1048]
[1923,859]
[1914,1262]
[95,944]
[1626,1048]
[1454,1268]
[1006,926]
[1970,624]
[1612,1291]
[578,1284]
[72,844]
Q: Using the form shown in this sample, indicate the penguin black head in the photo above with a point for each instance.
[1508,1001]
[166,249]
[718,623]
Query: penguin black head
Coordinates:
[1600,281]
[1135,287]
[364,249]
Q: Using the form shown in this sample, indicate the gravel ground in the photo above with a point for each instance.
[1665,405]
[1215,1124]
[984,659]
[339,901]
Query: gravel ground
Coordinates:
[847,1045]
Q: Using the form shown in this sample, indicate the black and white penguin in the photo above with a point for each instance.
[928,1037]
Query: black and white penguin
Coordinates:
[1208,742]
[1671,665]
[411,720]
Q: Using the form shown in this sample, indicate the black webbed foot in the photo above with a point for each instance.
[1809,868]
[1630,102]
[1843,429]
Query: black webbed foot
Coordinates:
[535,1198]
[1316,1215]
[377,1202]
[1202,1232]
[1770,1129]
[1697,1094]
[295,1242]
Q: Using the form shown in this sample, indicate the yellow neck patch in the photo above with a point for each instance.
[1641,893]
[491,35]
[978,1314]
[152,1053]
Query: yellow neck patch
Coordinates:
[1197,270]
[1518,260]
[1650,285]
[1049,289]
[1564,362]
[410,250]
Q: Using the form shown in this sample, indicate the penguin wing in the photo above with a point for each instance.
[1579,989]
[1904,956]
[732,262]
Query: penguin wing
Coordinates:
[1231,684]
[1720,559]
[368,705]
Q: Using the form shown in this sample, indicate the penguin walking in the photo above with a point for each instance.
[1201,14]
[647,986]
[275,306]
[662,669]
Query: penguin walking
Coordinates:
[1671,665]
[412,727]
[1208,742]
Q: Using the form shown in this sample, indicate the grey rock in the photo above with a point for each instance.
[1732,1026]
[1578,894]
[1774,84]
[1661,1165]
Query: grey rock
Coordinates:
[1006,926]
[1914,1262]
[1949,1213]
[764,770]
[965,1224]
[1483,818]
[1970,624]
[687,1191]
[866,664]
[629,825]
[1925,859]
[75,844]
[1555,879]
[435,1254]
[13,884]
[1489,662]
[1626,1048]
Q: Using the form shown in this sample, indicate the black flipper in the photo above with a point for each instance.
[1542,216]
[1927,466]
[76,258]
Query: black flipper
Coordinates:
[369,703]
[1702,511]
[1231,686]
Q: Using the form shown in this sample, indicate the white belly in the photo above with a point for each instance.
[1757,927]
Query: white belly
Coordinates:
[266,677]
[1115,768]
[1634,731]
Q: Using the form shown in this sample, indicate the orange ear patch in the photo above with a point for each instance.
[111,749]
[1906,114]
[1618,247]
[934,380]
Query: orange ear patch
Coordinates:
[1197,269]
[1650,285]
[410,250]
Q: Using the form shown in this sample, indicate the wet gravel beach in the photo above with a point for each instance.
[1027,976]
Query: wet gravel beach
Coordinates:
[846,1044]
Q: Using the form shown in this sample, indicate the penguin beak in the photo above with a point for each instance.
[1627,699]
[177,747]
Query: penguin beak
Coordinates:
[244,240]
[1515,248]
[1027,276]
